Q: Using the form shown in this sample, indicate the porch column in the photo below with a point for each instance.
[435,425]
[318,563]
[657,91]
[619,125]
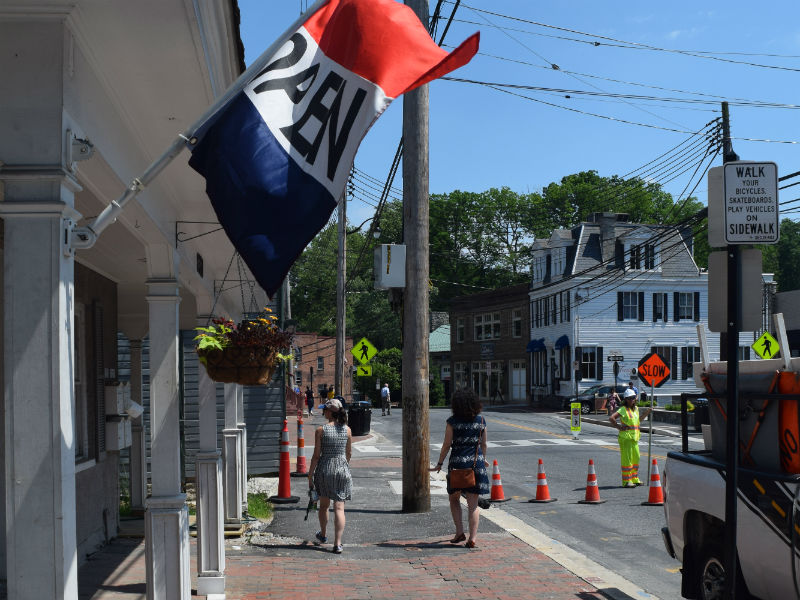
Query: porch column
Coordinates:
[210,516]
[166,517]
[39,434]
[138,465]
[231,457]
[241,425]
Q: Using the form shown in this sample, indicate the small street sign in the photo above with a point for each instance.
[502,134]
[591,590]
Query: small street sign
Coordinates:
[653,370]
[766,346]
[751,203]
[615,357]
[364,351]
[575,418]
[364,371]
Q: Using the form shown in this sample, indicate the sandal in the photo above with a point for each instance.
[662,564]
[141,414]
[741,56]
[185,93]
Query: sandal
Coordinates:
[321,539]
[337,549]
[470,544]
[460,537]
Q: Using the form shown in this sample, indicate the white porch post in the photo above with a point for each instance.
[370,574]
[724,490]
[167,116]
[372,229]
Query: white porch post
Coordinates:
[166,517]
[138,465]
[231,457]
[240,424]
[210,516]
[41,548]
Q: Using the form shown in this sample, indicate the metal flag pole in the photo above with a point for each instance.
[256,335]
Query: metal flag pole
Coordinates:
[85,237]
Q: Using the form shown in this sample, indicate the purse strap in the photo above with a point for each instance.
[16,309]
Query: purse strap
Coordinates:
[475,460]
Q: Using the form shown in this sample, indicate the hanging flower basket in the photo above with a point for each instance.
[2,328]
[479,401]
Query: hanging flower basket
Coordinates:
[246,366]
[247,353]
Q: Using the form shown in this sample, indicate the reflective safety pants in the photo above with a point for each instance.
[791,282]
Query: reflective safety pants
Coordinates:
[629,459]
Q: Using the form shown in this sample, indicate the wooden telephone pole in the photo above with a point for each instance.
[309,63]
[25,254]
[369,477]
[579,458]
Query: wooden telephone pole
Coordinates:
[416,433]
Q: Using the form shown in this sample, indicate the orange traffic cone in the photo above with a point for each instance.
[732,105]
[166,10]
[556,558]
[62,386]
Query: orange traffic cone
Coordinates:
[284,478]
[497,485]
[302,468]
[542,491]
[592,491]
[656,497]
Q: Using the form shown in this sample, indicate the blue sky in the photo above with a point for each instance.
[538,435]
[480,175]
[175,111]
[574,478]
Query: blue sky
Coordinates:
[482,138]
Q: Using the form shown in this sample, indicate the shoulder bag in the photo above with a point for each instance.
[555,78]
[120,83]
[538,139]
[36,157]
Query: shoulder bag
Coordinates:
[462,479]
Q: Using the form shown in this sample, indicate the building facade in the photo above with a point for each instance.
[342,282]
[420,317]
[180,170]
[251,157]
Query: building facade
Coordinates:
[488,338]
[610,288]
[315,364]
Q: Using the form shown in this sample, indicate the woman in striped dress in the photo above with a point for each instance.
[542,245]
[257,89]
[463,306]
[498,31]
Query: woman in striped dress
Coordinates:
[329,473]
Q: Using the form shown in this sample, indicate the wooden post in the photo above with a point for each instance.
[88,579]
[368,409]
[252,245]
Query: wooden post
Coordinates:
[416,433]
[338,376]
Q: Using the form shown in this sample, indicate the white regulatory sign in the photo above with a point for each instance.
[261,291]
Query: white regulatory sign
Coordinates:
[751,203]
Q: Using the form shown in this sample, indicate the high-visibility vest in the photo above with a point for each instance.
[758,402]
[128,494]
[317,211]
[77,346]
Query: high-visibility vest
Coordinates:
[630,419]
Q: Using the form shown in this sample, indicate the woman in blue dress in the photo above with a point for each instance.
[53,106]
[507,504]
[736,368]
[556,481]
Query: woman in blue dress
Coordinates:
[466,431]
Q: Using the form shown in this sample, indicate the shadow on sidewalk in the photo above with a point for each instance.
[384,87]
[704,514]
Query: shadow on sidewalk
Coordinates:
[122,562]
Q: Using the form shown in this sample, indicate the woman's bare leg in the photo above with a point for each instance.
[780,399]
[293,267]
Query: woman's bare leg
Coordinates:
[338,522]
[322,513]
[474,515]
[455,510]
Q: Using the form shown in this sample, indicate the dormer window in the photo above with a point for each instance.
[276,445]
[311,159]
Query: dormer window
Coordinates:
[641,256]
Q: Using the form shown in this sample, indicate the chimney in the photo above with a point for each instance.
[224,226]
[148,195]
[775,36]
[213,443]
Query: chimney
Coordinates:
[607,220]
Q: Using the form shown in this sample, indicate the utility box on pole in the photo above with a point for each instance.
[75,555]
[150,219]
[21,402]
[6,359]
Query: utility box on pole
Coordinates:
[390,266]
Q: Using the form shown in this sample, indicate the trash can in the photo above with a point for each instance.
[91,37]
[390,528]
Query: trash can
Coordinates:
[359,417]
[701,416]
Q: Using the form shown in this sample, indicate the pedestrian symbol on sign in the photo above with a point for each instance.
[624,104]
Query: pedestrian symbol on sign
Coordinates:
[766,346]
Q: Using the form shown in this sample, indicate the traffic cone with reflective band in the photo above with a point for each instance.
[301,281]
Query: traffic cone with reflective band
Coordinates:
[302,468]
[592,491]
[284,477]
[497,486]
[656,497]
[542,490]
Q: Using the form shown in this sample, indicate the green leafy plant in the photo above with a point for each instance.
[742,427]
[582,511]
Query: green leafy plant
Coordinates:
[256,334]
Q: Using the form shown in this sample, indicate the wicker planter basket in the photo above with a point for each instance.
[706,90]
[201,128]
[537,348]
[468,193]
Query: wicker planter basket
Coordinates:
[246,366]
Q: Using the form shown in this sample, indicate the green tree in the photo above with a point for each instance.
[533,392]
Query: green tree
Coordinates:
[387,367]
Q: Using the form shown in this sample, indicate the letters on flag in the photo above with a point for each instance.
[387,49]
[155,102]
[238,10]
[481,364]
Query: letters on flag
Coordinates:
[276,158]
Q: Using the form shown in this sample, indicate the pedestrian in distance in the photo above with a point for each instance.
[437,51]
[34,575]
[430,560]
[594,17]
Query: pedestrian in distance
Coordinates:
[628,437]
[331,393]
[386,400]
[329,472]
[613,401]
[465,440]
[310,401]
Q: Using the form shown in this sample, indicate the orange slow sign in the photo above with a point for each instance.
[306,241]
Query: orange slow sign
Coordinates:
[653,370]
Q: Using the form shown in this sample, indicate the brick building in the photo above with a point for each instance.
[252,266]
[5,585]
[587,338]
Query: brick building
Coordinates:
[489,334]
[315,363]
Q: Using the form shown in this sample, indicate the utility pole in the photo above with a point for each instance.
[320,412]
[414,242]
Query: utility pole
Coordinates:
[416,433]
[338,376]
[732,357]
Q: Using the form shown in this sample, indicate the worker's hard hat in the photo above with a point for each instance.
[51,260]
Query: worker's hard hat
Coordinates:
[628,393]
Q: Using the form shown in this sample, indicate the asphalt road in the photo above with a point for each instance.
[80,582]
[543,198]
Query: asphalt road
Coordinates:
[619,534]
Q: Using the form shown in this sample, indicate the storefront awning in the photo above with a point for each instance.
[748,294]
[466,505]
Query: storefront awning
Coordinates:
[535,345]
[562,342]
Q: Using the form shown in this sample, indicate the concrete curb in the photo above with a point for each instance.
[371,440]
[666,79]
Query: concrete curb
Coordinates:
[609,584]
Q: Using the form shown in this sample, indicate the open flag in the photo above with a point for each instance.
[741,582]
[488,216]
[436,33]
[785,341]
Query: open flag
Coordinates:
[277,156]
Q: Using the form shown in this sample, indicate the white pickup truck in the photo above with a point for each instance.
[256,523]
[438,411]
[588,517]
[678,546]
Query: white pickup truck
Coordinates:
[768,513]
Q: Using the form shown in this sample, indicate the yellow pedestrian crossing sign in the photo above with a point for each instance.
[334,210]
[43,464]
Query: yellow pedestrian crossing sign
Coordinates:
[364,351]
[766,346]
[364,371]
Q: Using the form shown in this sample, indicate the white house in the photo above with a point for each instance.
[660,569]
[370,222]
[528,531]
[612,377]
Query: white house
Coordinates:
[609,287]
[91,93]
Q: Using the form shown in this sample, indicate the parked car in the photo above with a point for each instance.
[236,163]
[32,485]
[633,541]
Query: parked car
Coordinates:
[587,397]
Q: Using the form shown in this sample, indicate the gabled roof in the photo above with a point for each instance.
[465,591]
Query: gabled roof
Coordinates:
[439,339]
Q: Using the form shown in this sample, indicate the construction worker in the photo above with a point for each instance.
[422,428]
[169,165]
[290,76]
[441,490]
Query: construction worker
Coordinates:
[629,434]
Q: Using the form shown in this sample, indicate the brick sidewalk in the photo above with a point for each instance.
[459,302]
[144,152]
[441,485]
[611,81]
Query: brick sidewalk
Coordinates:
[503,567]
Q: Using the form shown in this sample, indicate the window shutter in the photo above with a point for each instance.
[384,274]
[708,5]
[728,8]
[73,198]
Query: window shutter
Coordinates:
[599,363]
[655,317]
[568,298]
[641,306]
[578,359]
[676,306]
[99,378]
[684,363]
[619,255]
[674,366]
[619,306]
[666,307]
[697,306]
